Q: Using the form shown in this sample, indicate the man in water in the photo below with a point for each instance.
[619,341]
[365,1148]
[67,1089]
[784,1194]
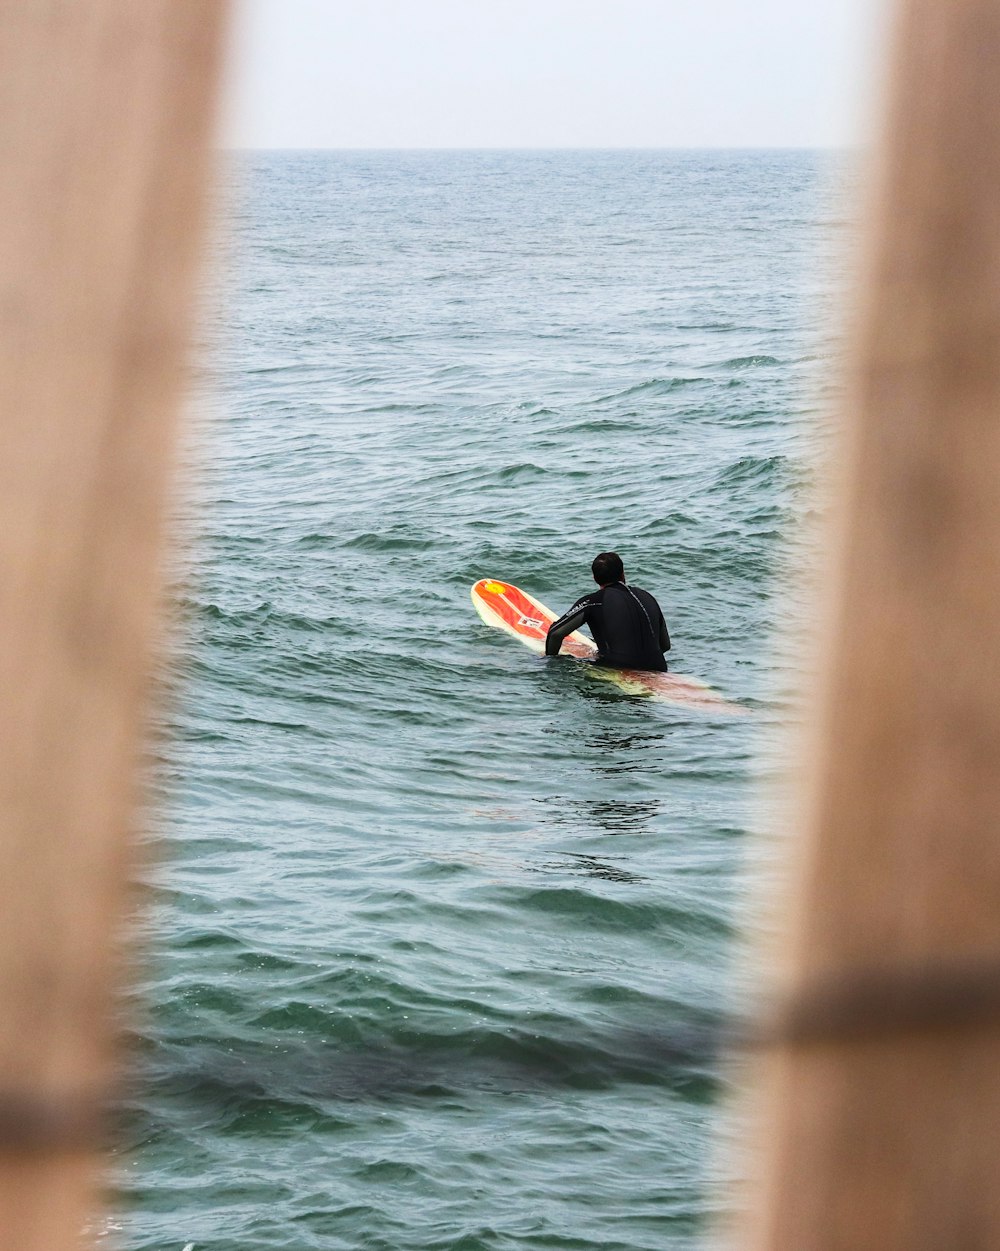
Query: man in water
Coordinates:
[626,623]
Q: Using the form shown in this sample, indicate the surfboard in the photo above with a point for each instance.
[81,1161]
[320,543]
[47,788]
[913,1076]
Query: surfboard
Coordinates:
[508,608]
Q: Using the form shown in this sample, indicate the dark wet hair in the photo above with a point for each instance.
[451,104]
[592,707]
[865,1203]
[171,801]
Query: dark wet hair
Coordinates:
[607,567]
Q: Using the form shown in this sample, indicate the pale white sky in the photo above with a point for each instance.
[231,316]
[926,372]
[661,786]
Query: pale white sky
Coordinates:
[552,73]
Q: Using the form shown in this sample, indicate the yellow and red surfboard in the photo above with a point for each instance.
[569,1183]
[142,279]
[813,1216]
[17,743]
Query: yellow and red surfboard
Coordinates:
[508,608]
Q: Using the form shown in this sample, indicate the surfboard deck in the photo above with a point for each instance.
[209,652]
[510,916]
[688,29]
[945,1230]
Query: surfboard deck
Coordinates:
[514,611]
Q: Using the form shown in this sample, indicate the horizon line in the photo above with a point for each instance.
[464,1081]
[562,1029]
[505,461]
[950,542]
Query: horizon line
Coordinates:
[720,147]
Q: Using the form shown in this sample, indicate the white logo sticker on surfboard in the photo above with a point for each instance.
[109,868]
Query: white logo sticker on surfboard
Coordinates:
[508,608]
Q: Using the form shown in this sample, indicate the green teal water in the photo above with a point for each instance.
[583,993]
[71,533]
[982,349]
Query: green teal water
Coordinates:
[440,944]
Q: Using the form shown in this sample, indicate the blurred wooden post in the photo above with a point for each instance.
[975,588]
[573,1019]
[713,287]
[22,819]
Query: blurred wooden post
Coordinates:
[881,1128]
[104,123]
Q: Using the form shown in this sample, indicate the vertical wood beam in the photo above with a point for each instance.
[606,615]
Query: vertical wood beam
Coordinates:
[105,112]
[881,1129]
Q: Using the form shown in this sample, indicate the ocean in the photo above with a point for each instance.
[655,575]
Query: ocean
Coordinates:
[441,938]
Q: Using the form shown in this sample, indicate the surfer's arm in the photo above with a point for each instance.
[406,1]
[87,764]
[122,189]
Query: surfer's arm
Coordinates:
[567,623]
[664,635]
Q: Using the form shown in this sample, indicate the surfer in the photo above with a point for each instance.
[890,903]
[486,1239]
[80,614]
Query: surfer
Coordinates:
[626,622]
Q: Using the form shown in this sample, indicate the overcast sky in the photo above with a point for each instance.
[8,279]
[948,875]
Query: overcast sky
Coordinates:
[552,73]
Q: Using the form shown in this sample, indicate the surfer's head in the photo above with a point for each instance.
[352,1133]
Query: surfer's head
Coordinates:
[608,568]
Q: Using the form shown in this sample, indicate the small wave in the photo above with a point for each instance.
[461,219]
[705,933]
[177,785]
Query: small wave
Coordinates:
[290,367]
[238,1077]
[602,912]
[580,865]
[748,362]
[215,612]
[753,469]
[381,409]
[536,410]
[670,524]
[652,386]
[314,542]
[372,542]
[264,613]
[710,325]
[515,473]
[598,425]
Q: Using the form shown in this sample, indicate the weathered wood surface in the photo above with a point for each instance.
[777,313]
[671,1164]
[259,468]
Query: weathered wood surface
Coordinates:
[104,121]
[881,1128]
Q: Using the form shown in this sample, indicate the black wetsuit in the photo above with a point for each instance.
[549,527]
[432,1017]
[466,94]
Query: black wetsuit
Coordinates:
[626,623]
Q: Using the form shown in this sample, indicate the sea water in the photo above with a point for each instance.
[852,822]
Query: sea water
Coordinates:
[440,940]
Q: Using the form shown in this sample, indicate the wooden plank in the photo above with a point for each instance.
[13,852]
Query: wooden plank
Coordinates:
[881,1127]
[105,114]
